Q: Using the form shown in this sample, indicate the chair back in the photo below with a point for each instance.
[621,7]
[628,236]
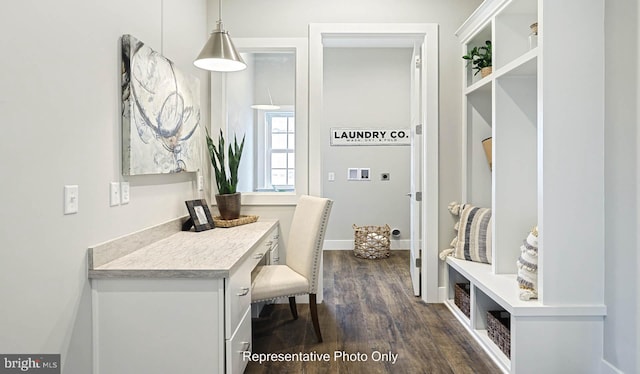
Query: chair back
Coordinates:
[306,237]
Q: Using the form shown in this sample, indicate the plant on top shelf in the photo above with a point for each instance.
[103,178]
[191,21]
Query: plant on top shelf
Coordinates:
[480,58]
[228,198]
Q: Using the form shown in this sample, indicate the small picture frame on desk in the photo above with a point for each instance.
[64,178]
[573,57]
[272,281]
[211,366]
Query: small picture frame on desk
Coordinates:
[199,216]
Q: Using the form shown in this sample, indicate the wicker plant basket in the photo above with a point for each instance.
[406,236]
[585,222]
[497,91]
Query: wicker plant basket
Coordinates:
[498,329]
[372,242]
[486,71]
[461,297]
[243,220]
[486,145]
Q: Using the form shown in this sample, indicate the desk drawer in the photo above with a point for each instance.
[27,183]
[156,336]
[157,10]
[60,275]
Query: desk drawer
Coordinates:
[239,343]
[274,258]
[237,296]
[238,286]
[273,238]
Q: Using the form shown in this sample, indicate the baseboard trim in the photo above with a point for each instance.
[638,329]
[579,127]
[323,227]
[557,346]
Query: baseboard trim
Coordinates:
[607,368]
[341,245]
[442,294]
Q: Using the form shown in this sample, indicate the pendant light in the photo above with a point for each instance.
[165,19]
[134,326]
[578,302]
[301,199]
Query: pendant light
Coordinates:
[219,54]
[269,106]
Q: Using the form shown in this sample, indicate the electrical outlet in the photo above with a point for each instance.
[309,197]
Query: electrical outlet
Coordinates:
[114,196]
[124,192]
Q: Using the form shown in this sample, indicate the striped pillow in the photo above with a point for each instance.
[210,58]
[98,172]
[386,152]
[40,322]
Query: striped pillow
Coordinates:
[528,266]
[474,234]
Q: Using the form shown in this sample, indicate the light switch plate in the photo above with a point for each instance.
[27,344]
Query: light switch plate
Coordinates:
[70,199]
[114,196]
[200,182]
[124,192]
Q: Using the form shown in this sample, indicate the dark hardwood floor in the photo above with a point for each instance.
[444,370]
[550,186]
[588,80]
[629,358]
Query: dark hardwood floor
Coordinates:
[369,316]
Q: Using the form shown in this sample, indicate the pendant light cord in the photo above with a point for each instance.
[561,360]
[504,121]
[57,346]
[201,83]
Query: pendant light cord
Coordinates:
[270,99]
[219,23]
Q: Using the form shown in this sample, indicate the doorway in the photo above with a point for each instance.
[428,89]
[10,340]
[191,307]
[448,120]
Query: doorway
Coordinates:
[425,37]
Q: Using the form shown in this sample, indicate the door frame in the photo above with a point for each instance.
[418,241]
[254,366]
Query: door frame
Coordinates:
[390,33]
[415,205]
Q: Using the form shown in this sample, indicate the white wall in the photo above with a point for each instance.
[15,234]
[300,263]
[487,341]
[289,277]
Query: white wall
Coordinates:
[60,116]
[366,87]
[622,282]
[290,18]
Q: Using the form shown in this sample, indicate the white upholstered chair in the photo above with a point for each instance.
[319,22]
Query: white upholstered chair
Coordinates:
[304,247]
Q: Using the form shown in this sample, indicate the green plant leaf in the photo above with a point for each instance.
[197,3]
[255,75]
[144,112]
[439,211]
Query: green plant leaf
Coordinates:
[479,57]
[226,185]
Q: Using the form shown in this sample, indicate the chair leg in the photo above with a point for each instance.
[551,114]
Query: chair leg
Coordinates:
[292,306]
[313,308]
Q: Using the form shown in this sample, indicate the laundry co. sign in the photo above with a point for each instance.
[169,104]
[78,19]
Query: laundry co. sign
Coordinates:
[370,136]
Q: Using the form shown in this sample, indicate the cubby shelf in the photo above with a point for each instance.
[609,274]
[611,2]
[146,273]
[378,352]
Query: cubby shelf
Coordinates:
[483,85]
[458,313]
[503,289]
[524,65]
[501,358]
[537,174]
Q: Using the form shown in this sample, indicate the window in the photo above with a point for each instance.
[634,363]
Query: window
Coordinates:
[280,170]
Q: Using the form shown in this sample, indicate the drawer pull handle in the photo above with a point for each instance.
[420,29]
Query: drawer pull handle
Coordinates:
[246,346]
[268,244]
[258,256]
[276,259]
[244,292]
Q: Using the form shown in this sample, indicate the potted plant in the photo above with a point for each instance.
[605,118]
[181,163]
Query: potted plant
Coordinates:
[228,198]
[480,58]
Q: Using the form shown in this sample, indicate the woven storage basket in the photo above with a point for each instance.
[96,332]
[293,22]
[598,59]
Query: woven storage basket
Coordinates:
[498,329]
[461,297]
[372,242]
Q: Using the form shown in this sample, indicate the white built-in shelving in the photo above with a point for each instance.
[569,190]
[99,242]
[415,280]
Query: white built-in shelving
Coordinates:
[542,106]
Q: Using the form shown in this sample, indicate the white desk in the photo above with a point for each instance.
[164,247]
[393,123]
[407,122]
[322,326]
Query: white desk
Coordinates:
[166,301]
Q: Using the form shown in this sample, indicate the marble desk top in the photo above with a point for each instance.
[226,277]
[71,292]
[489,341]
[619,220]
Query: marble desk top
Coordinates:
[183,254]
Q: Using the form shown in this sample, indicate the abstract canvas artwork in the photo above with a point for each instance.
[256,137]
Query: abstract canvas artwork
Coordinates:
[160,113]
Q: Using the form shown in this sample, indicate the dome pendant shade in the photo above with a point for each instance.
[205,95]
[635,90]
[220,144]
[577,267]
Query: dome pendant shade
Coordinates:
[265,107]
[269,106]
[219,53]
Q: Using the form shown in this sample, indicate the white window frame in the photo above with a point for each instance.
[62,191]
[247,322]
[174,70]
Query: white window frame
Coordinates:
[269,151]
[219,115]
